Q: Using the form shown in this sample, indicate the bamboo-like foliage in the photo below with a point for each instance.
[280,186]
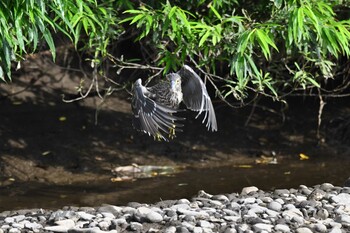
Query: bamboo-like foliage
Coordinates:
[296,44]
[26,24]
[270,47]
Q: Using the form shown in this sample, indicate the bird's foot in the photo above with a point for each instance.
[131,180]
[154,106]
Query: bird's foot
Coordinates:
[172,132]
[158,137]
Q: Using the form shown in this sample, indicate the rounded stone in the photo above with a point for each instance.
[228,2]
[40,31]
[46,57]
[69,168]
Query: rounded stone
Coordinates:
[303,230]
[136,226]
[170,229]
[154,217]
[274,205]
[282,228]
[248,190]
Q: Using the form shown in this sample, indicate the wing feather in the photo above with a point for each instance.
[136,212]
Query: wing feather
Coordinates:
[196,97]
[151,117]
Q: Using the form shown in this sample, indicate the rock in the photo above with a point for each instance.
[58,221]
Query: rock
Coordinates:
[197,230]
[170,229]
[341,199]
[282,228]
[326,186]
[322,214]
[274,205]
[19,218]
[343,219]
[303,230]
[181,207]
[262,227]
[205,224]
[181,229]
[14,230]
[135,226]
[183,201]
[281,192]
[221,198]
[249,190]
[115,210]
[154,217]
[249,200]
[9,220]
[197,214]
[57,228]
[335,230]
[316,194]
[33,226]
[108,215]
[319,227]
[85,216]
[103,225]
[68,223]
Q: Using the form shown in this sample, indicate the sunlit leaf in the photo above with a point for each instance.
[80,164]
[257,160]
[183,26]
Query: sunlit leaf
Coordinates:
[62,118]
[303,156]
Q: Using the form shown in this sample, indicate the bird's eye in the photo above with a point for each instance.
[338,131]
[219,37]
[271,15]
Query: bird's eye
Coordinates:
[177,80]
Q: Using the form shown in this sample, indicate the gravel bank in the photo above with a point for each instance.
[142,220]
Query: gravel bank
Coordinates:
[322,208]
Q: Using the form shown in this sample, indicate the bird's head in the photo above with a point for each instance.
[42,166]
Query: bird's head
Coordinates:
[175,82]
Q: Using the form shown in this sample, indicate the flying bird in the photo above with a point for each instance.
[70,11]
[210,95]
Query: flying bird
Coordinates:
[154,107]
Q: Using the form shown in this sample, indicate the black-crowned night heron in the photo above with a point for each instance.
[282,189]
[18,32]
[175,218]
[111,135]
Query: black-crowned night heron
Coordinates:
[154,107]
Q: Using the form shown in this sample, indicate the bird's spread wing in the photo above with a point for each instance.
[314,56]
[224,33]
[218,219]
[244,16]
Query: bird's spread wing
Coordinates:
[151,117]
[195,96]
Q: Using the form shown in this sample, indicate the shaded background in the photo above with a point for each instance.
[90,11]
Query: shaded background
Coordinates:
[54,153]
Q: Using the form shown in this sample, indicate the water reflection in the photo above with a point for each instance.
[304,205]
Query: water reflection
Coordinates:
[181,185]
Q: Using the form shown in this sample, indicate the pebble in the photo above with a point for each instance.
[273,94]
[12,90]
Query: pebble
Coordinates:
[274,205]
[322,208]
[248,190]
[154,217]
[303,230]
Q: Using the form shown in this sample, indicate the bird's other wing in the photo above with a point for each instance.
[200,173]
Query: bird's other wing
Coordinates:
[196,97]
[149,116]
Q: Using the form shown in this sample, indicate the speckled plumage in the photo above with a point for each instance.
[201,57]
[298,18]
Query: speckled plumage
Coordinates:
[154,107]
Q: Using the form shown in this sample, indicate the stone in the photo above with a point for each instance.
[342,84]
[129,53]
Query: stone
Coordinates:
[68,223]
[319,227]
[341,199]
[14,230]
[32,225]
[170,229]
[303,230]
[335,230]
[274,205]
[154,217]
[85,216]
[248,190]
[103,225]
[197,230]
[108,215]
[9,220]
[343,219]
[135,226]
[57,228]
[262,227]
[205,224]
[282,228]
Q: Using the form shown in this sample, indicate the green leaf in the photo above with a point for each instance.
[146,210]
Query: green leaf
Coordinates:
[137,18]
[50,43]
[311,80]
[19,34]
[204,38]
[215,12]
[6,57]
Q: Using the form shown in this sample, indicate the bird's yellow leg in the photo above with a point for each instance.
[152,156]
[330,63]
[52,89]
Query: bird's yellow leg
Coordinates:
[172,132]
[158,137]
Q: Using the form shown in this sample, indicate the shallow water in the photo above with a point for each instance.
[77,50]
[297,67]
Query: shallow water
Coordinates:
[228,179]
